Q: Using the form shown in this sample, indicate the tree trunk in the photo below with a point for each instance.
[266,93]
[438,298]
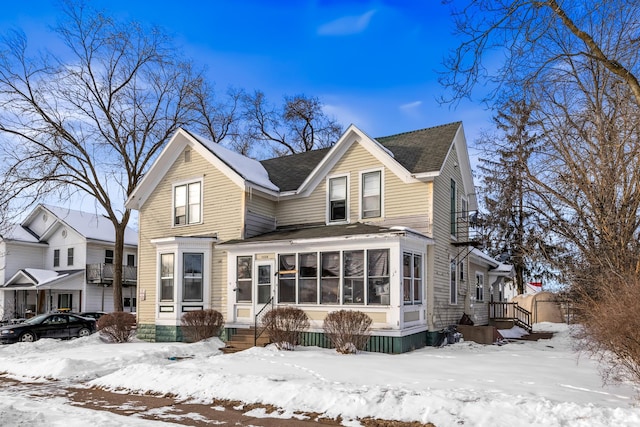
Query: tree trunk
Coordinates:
[118,255]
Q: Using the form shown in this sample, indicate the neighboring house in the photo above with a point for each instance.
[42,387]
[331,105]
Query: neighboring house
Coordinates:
[376,225]
[62,259]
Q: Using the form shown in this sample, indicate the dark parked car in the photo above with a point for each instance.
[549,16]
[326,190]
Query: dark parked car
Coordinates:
[52,325]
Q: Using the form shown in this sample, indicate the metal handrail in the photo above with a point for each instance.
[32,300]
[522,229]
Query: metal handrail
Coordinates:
[258,328]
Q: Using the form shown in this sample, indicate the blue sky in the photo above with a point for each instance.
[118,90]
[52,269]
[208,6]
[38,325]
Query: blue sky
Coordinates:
[372,63]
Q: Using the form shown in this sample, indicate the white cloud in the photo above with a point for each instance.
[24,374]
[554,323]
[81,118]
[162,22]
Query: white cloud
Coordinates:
[411,105]
[346,25]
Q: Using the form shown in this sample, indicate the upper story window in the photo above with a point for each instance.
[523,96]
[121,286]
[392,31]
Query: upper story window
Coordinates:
[108,256]
[187,203]
[371,194]
[69,256]
[131,260]
[338,199]
[56,257]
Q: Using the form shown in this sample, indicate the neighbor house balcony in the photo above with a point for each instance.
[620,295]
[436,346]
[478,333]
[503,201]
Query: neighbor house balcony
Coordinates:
[103,274]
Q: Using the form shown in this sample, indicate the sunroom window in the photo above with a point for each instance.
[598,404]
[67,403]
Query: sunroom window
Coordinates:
[412,278]
[187,204]
[378,276]
[330,279]
[353,289]
[308,278]
[287,278]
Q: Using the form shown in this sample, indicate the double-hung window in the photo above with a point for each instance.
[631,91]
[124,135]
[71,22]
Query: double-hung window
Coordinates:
[479,287]
[108,256]
[453,282]
[371,194]
[56,257]
[187,203]
[338,199]
[192,277]
[69,256]
[412,278]
[166,276]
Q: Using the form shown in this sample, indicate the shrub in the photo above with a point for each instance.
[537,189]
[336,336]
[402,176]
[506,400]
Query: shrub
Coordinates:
[285,326]
[609,329]
[117,327]
[347,330]
[201,324]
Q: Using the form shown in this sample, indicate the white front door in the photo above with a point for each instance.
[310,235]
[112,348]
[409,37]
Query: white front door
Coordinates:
[264,283]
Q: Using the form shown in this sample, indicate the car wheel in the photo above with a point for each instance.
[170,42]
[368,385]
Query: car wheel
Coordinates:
[27,337]
[84,332]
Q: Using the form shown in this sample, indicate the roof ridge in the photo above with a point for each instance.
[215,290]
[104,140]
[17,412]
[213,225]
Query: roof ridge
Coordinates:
[420,130]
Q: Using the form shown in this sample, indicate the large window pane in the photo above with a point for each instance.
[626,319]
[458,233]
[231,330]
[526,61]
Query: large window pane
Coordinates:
[244,285]
[194,203]
[264,283]
[287,278]
[417,278]
[166,277]
[308,278]
[353,285]
[186,204]
[406,278]
[180,205]
[371,190]
[378,276]
[192,277]
[338,199]
[330,277]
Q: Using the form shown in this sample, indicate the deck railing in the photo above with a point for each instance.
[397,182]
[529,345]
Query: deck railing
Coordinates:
[511,311]
[103,273]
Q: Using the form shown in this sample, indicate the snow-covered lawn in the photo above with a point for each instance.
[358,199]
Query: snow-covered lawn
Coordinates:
[526,383]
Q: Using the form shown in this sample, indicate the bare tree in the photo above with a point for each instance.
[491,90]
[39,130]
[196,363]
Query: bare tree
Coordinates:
[299,125]
[93,117]
[537,37]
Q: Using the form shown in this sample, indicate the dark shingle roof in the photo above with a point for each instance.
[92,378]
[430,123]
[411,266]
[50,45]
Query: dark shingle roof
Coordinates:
[422,150]
[289,172]
[418,151]
[316,232]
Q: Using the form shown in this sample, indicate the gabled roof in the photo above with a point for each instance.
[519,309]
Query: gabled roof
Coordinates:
[36,278]
[90,226]
[412,156]
[418,152]
[18,233]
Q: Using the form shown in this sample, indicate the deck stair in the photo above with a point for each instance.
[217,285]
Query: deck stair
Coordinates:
[243,339]
[513,312]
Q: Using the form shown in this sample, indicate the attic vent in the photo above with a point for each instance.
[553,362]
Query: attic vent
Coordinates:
[187,155]
[64,233]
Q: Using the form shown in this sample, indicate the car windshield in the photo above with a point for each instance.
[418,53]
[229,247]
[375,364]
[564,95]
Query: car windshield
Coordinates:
[36,320]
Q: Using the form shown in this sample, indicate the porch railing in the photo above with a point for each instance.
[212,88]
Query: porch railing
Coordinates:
[258,326]
[511,311]
[103,273]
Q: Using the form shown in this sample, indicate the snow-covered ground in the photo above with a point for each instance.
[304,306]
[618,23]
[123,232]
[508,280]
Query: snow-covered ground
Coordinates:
[525,383]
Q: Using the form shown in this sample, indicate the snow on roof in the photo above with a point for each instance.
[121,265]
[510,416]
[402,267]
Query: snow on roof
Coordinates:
[250,169]
[44,276]
[92,226]
[18,233]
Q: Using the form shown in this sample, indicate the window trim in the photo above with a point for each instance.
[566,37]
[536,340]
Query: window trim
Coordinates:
[56,257]
[412,279]
[453,284]
[380,172]
[347,209]
[479,286]
[70,256]
[186,184]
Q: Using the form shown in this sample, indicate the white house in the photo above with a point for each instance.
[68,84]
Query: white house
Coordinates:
[60,258]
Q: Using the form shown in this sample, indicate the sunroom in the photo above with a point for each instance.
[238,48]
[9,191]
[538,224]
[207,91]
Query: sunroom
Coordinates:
[380,271]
